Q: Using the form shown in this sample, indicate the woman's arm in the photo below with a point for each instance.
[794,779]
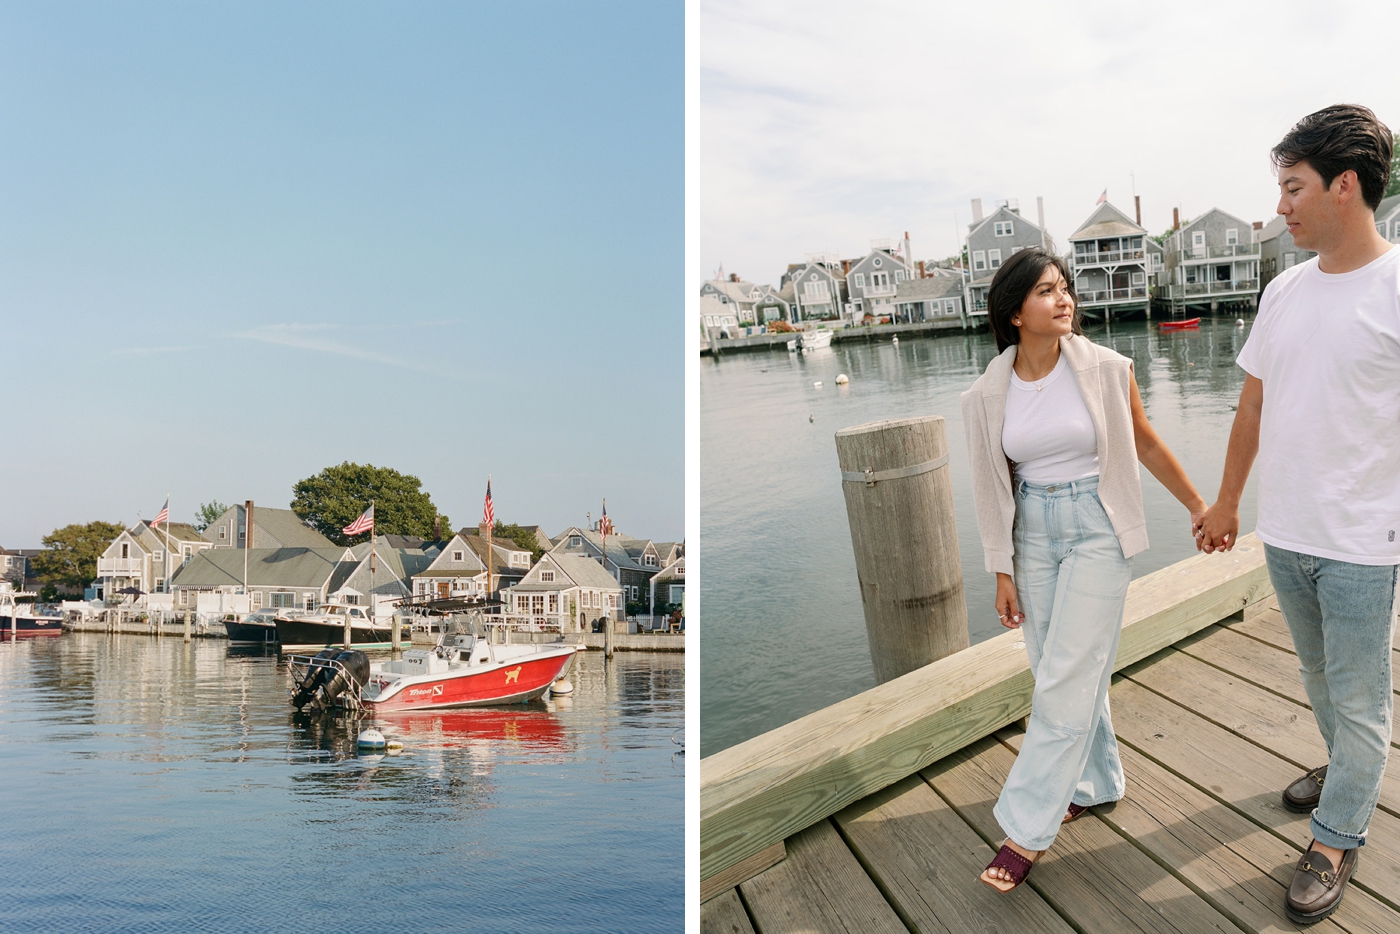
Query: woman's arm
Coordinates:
[1161,462]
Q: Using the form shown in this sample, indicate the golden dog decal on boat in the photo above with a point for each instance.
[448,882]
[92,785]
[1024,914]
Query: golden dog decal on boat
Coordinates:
[514,675]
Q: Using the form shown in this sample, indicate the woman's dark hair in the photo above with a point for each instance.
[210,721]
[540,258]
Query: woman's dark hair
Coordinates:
[1010,286]
[1337,138]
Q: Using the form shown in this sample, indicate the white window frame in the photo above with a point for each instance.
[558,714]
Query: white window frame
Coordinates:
[899,275]
[158,555]
[1289,260]
[979,260]
[860,280]
[1232,236]
[1139,278]
[546,577]
[994,258]
[1003,229]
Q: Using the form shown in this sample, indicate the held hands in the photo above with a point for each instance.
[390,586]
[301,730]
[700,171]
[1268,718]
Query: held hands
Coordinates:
[1010,613]
[1217,528]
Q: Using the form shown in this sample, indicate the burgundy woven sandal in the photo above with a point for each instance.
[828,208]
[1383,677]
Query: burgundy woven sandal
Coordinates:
[1074,811]
[1014,863]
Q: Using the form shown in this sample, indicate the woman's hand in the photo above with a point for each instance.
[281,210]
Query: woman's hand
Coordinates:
[1198,518]
[1007,609]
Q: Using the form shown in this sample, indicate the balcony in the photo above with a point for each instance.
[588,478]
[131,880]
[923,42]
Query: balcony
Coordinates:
[1113,256]
[1108,296]
[1204,254]
[120,567]
[872,291]
[1219,287]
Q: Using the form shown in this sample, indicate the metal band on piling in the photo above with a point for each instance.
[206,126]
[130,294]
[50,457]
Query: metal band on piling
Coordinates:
[871,477]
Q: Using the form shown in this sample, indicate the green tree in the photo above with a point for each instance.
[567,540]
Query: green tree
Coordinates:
[336,496]
[70,554]
[521,536]
[1394,187]
[207,513]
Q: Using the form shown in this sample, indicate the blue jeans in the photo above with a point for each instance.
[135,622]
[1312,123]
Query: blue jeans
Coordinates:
[1341,616]
[1071,583]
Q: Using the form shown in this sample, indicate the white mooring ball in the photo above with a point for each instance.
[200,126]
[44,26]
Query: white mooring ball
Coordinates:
[842,380]
[370,739]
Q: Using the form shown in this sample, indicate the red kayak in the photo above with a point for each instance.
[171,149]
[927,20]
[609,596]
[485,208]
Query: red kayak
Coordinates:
[1178,325]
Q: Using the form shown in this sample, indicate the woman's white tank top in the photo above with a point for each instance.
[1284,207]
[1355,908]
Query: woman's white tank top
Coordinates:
[1047,432]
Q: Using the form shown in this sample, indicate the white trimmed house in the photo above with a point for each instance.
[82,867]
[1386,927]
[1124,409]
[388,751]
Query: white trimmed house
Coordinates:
[873,282]
[565,591]
[1211,261]
[456,573]
[991,241]
[818,290]
[140,557]
[1110,263]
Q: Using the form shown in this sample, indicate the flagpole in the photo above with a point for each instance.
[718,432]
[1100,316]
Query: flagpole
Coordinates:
[167,550]
[489,529]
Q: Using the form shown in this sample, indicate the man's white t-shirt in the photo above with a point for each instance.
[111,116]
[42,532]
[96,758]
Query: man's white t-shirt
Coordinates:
[1327,348]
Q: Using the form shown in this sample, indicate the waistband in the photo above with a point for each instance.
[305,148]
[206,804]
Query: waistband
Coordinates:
[1068,488]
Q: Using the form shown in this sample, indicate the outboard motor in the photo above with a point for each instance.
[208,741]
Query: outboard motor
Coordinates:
[325,683]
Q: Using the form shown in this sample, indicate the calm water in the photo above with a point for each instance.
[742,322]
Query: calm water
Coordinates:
[157,786]
[783,629]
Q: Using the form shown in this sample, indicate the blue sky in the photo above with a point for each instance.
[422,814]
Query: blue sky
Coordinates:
[243,242]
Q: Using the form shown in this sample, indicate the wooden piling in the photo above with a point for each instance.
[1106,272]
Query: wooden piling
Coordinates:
[899,503]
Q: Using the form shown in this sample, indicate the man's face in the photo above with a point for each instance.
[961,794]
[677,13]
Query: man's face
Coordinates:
[1307,206]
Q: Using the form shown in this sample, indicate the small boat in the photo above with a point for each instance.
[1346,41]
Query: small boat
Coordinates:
[465,671]
[1178,325]
[812,340]
[298,631]
[25,621]
[257,628]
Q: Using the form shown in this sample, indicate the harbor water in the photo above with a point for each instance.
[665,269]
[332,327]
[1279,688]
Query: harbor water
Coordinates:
[154,785]
[783,632]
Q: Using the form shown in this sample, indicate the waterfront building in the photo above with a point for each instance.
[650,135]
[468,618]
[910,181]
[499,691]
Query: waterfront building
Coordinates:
[667,552]
[773,304]
[508,562]
[567,591]
[818,289]
[13,565]
[1108,257]
[991,240]
[631,562]
[734,292]
[934,298]
[139,557]
[1211,261]
[668,586]
[1388,218]
[455,572]
[1156,266]
[873,281]
[272,528]
[1277,251]
[717,318]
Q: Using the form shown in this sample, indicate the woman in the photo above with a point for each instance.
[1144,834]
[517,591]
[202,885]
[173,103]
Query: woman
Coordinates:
[1052,429]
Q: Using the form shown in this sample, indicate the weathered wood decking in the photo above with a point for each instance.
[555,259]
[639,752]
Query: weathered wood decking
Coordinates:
[1210,730]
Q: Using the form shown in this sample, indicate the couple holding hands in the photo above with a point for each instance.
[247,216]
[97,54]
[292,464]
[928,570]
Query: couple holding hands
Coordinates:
[1055,428]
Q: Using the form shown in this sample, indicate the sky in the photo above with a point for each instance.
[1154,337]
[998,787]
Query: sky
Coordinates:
[242,242]
[826,125]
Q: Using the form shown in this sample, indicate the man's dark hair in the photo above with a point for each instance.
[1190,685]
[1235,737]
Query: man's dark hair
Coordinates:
[1010,286]
[1337,138]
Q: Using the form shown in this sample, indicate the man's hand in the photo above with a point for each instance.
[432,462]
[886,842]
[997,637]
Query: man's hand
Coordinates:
[1217,529]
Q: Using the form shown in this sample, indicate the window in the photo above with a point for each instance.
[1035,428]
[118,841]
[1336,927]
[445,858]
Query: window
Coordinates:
[575,541]
[677,593]
[815,291]
[547,577]
[860,280]
[877,262]
[1139,278]
[537,604]
[189,552]
[1198,242]
[979,260]
[1289,259]
[1232,236]
[257,599]
[554,603]
[126,550]
[649,560]
[899,275]
[223,532]
[995,257]
[1002,228]
[310,602]
[157,555]
[282,598]
[160,585]
[459,556]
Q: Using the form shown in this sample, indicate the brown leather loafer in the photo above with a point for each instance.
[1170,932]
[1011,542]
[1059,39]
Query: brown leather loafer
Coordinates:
[1302,796]
[1318,886]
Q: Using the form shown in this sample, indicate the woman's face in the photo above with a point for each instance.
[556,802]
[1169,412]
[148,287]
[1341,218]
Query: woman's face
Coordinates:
[1048,310]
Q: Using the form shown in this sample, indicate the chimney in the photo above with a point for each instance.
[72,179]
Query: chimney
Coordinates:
[437,528]
[845,267]
[920,264]
[1137,206]
[248,524]
[1258,225]
[1176,218]
[976,210]
[733,277]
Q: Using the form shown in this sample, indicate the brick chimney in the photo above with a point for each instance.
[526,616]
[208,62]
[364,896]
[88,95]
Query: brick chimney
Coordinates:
[248,524]
[845,267]
[1137,206]
[1258,225]
[920,264]
[1176,218]
[733,277]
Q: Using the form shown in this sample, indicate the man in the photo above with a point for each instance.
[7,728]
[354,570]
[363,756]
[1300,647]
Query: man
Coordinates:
[1321,408]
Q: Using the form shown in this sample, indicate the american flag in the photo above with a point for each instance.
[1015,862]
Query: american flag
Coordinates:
[488,514]
[1103,197]
[363,524]
[605,524]
[163,515]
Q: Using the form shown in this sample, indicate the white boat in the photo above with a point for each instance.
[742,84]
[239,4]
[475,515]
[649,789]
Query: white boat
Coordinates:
[297,631]
[17,620]
[812,340]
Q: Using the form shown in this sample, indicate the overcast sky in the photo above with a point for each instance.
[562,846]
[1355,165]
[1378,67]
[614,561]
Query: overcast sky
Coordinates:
[241,242]
[828,124]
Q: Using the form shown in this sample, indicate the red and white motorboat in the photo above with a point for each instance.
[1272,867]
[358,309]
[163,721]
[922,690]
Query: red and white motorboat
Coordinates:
[464,671]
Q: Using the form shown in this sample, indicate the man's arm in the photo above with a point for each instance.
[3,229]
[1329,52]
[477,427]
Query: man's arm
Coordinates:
[1221,523]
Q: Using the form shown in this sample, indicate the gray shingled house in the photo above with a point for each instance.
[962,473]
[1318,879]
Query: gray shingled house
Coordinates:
[1277,251]
[818,289]
[1211,262]
[873,281]
[272,528]
[937,299]
[1109,259]
[140,557]
[566,591]
[991,240]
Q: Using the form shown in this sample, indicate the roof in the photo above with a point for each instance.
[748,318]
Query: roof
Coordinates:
[274,527]
[916,290]
[620,548]
[1275,227]
[582,570]
[741,291]
[1106,221]
[1005,213]
[267,567]
[1385,208]
[443,564]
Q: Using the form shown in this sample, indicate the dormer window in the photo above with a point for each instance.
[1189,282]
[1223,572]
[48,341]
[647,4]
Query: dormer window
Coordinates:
[649,560]
[1002,228]
[575,541]
[458,556]
[547,577]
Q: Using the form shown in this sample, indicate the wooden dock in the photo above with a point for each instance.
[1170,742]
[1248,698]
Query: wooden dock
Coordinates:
[1211,728]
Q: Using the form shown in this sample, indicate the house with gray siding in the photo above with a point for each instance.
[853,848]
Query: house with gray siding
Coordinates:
[272,528]
[1388,218]
[455,572]
[818,289]
[632,562]
[735,292]
[717,319]
[298,577]
[931,299]
[144,558]
[773,304]
[872,282]
[1109,259]
[1211,262]
[566,591]
[1277,251]
[991,240]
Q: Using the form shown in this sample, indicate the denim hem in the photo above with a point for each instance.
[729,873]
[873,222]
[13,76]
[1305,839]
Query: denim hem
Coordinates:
[1335,838]
[1038,846]
[1106,799]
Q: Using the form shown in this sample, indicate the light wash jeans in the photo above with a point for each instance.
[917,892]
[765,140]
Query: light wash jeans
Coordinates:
[1341,616]
[1071,582]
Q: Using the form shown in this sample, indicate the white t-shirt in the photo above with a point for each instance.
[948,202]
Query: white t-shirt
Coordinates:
[1327,348]
[1047,432]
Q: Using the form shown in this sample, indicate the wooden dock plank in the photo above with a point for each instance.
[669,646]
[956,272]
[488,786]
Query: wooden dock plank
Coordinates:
[1094,878]
[926,860]
[1242,775]
[724,914]
[1237,866]
[1270,627]
[819,888]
